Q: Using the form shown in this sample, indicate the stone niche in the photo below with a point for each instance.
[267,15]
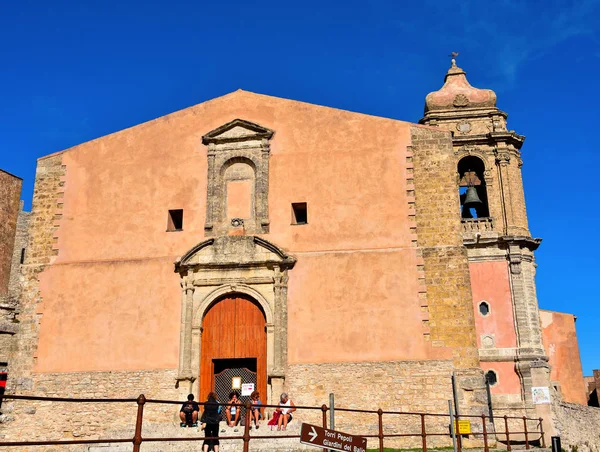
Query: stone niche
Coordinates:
[238,178]
[225,265]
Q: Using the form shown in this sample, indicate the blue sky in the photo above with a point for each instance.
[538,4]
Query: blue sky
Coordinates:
[74,71]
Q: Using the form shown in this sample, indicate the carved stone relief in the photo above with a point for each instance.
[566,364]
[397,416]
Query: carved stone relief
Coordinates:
[227,265]
[460,100]
[463,127]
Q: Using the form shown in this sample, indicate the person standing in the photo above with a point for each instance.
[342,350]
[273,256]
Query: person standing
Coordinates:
[211,417]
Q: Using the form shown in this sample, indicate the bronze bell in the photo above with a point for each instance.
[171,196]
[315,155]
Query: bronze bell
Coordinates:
[471,198]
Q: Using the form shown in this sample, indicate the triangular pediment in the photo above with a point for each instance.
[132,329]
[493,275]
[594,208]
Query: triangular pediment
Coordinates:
[234,251]
[237,130]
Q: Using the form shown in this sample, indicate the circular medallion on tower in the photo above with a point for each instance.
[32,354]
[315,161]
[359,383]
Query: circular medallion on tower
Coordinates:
[463,127]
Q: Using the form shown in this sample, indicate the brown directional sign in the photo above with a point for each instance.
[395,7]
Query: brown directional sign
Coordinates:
[314,435]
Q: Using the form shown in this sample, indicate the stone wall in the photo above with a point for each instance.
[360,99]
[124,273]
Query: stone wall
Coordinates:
[10,304]
[408,386]
[593,388]
[391,386]
[439,239]
[21,238]
[54,421]
[578,427]
[44,218]
[10,194]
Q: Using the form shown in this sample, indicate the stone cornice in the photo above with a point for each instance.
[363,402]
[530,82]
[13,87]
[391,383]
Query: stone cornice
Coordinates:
[252,131]
[490,139]
[463,113]
[522,241]
[472,240]
[223,259]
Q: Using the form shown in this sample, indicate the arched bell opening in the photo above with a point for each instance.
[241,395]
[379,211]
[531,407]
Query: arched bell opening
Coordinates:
[472,188]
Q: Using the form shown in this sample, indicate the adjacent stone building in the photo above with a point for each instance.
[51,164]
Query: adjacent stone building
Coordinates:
[593,388]
[13,233]
[299,247]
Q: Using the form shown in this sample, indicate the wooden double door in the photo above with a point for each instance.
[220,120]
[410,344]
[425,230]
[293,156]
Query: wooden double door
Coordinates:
[234,332]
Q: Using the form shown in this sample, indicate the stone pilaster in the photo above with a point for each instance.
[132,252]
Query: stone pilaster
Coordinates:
[281,321]
[211,193]
[511,190]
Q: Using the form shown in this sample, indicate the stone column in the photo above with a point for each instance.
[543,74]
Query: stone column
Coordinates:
[270,348]
[185,377]
[513,198]
[280,291]
[262,188]
[182,331]
[210,188]
[502,161]
[525,307]
[187,341]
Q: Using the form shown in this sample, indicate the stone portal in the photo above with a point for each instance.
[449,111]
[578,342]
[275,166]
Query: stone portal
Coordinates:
[234,339]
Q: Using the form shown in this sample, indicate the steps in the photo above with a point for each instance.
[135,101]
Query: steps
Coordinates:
[274,442]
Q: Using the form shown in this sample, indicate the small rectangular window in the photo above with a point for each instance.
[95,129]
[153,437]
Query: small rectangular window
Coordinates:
[175,220]
[299,213]
[22,255]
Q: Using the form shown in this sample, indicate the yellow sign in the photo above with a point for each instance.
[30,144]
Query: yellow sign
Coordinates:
[463,427]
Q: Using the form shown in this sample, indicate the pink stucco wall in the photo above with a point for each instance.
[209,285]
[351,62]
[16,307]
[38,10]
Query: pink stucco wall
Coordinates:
[508,379]
[354,287]
[490,283]
[560,342]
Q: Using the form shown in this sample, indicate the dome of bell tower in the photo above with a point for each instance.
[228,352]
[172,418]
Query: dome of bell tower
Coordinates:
[457,93]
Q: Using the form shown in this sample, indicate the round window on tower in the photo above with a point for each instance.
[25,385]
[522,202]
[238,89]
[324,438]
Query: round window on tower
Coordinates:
[484,308]
[491,378]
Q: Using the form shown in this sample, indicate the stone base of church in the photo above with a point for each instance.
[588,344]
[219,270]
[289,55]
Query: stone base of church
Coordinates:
[407,386]
[24,420]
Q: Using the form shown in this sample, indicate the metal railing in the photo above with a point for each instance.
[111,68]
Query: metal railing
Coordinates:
[530,436]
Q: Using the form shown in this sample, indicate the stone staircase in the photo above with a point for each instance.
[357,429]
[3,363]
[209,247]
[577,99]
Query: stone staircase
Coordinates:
[274,442]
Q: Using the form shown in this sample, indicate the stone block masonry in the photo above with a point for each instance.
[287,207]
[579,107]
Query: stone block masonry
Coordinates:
[19,251]
[578,426]
[439,240]
[55,421]
[392,386]
[10,194]
[409,386]
[44,221]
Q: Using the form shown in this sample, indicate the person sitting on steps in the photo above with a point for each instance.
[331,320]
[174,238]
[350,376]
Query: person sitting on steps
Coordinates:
[256,406]
[285,409]
[232,412]
[189,412]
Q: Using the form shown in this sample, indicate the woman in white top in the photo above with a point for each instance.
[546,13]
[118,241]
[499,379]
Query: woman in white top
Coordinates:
[286,408]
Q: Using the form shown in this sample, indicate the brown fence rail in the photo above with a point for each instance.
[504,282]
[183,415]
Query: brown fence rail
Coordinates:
[502,435]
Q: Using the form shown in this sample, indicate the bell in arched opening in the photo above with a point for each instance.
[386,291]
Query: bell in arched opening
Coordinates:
[472,198]
[472,188]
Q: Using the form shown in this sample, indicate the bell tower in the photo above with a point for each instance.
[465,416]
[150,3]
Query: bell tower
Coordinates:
[493,216]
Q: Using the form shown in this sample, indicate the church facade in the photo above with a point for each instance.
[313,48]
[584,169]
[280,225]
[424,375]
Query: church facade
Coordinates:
[302,248]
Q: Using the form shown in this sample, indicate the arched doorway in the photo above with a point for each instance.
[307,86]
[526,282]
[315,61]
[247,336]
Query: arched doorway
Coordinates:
[234,344]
